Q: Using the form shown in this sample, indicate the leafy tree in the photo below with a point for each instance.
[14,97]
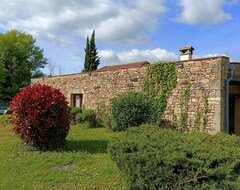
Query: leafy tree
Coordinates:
[20,59]
[91,59]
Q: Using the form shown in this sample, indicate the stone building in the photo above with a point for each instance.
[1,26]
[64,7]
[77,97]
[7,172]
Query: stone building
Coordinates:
[213,100]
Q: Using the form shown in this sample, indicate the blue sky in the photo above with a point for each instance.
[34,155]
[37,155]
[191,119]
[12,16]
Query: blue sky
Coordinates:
[126,31]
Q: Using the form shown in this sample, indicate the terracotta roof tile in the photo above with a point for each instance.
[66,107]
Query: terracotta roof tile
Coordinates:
[124,66]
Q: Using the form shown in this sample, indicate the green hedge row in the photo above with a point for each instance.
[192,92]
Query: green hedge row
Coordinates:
[150,158]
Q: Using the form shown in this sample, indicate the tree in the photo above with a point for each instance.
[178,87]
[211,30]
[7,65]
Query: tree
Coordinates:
[20,59]
[91,59]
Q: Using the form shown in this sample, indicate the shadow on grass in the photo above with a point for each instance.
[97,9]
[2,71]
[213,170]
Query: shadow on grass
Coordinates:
[87,146]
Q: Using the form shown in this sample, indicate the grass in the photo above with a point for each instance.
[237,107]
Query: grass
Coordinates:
[83,164]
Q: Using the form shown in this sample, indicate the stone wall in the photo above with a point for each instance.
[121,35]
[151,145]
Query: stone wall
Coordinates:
[236,70]
[97,87]
[205,77]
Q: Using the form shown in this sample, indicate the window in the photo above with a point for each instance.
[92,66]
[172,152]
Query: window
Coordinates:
[77,100]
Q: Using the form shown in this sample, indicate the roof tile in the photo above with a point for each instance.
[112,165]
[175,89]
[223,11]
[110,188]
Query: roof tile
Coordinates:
[124,66]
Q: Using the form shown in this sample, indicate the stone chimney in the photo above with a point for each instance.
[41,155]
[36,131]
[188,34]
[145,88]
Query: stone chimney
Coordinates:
[186,53]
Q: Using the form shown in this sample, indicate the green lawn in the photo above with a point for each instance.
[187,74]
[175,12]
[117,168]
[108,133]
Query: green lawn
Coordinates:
[83,164]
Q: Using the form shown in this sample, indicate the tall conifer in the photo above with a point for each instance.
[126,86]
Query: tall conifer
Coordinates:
[91,59]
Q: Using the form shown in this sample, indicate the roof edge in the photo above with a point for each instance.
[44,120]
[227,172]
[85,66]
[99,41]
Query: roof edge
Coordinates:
[124,66]
[106,68]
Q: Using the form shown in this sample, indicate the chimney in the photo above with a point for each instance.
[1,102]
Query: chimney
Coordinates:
[186,53]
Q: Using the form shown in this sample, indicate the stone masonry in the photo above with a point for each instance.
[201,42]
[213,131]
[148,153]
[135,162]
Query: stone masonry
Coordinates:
[206,78]
[101,86]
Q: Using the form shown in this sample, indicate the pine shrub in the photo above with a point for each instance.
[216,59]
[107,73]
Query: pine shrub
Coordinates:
[165,159]
[41,117]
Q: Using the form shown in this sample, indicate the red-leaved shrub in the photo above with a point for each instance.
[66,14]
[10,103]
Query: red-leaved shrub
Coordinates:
[41,116]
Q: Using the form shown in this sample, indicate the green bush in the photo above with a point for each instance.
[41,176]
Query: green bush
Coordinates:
[131,109]
[164,159]
[88,117]
[74,112]
[103,114]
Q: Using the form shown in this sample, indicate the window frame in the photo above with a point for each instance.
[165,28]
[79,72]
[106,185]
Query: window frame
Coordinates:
[73,100]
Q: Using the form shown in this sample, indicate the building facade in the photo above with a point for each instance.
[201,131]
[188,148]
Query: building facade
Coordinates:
[213,85]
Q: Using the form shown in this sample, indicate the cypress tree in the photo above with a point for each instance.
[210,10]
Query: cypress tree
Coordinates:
[91,59]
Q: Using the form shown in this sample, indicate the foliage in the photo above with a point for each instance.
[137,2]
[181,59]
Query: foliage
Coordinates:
[84,162]
[184,100]
[3,105]
[131,109]
[205,112]
[201,119]
[103,114]
[197,121]
[91,59]
[87,116]
[82,115]
[160,80]
[41,116]
[74,111]
[20,59]
[166,159]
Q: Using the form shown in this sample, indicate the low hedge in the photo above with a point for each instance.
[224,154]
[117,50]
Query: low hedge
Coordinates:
[150,158]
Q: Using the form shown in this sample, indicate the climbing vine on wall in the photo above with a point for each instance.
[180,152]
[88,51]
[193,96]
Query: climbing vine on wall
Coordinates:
[184,99]
[197,121]
[201,115]
[160,80]
[205,112]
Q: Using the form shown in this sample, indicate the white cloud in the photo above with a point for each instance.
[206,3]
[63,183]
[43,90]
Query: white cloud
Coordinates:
[110,57]
[113,20]
[203,11]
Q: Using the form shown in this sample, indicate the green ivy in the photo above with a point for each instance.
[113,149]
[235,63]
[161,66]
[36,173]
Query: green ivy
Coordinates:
[184,99]
[205,112]
[160,80]
[202,116]
[197,121]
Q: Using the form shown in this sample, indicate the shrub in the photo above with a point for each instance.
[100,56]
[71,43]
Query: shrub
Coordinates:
[88,117]
[131,109]
[74,112]
[41,116]
[103,114]
[164,159]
